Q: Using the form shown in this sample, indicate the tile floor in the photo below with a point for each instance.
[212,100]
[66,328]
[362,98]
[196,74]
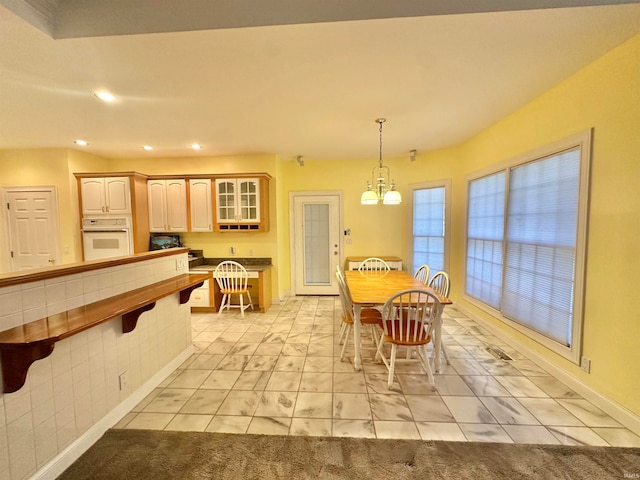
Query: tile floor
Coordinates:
[280,373]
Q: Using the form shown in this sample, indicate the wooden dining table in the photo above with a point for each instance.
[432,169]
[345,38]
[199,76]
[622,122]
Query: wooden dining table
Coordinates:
[375,288]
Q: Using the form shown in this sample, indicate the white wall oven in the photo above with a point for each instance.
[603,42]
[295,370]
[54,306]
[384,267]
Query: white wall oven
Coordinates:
[106,237]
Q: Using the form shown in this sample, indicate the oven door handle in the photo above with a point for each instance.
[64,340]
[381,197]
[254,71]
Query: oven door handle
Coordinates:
[106,231]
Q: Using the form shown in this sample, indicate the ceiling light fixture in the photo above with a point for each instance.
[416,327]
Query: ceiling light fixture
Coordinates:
[148,147]
[105,96]
[372,195]
[196,146]
[82,143]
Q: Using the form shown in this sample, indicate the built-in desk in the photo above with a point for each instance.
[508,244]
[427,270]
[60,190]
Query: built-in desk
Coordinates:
[352,263]
[260,272]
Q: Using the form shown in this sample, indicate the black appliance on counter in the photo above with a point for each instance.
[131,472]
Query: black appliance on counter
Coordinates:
[164,241]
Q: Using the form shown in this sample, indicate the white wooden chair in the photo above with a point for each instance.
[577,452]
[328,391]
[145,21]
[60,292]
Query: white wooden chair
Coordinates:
[374,264]
[233,279]
[422,274]
[440,283]
[408,321]
[368,316]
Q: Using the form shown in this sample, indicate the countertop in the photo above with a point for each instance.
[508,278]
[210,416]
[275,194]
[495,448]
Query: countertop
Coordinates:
[249,268]
[252,264]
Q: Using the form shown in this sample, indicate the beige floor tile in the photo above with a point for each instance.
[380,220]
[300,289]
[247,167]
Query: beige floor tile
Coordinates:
[189,423]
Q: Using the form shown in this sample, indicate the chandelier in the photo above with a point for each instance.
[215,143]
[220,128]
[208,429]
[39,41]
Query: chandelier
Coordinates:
[380,177]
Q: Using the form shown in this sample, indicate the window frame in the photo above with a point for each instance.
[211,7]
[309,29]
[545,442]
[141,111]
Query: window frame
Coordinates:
[583,141]
[443,183]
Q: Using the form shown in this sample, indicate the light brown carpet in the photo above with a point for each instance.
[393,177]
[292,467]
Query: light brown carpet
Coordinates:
[139,454]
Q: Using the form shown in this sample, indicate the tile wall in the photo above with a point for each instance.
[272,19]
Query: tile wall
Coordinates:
[78,384]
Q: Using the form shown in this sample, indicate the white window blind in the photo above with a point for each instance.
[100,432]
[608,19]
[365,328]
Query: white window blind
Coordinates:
[485,231]
[429,228]
[540,248]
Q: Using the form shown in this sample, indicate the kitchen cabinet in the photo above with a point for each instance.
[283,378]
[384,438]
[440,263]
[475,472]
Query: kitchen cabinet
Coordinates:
[200,296]
[105,196]
[200,205]
[122,194]
[242,204]
[167,205]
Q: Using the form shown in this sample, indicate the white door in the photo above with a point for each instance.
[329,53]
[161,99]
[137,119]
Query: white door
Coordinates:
[118,195]
[93,199]
[200,205]
[316,243]
[176,205]
[157,205]
[33,227]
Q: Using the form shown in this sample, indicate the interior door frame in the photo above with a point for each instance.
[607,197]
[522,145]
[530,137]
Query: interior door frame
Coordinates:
[292,257]
[5,241]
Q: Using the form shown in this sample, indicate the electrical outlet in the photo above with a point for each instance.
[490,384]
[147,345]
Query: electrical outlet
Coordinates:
[181,264]
[585,364]
[124,380]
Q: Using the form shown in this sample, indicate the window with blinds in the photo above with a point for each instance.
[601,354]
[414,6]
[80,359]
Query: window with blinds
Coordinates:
[526,238]
[541,244]
[429,228]
[485,232]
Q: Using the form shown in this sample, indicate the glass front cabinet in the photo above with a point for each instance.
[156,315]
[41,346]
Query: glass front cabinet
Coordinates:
[242,204]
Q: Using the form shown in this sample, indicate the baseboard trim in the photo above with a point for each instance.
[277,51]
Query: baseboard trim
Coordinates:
[610,407]
[64,459]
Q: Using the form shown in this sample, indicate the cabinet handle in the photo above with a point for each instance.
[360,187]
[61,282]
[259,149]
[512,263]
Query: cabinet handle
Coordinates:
[103,211]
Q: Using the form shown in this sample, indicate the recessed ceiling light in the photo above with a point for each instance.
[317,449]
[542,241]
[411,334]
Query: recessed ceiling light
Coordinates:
[195,146]
[82,143]
[105,96]
[148,147]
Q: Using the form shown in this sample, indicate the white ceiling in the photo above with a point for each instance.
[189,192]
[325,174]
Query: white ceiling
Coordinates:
[310,89]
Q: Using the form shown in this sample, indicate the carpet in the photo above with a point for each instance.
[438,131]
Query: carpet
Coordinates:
[141,454]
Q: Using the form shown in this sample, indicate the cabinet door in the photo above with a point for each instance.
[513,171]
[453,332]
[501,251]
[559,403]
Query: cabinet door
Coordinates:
[118,195]
[157,205]
[226,200]
[93,199]
[176,205]
[248,200]
[200,205]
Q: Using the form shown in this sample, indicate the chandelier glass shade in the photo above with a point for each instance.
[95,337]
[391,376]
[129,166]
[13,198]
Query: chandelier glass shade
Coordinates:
[381,187]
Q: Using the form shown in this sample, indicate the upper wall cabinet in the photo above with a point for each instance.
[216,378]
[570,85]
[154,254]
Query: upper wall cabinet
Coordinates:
[167,205]
[105,196]
[242,204]
[200,206]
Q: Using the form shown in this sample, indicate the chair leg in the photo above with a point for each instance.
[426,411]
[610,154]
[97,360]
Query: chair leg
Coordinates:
[346,341]
[241,305]
[343,327]
[392,364]
[222,303]
[424,360]
[250,300]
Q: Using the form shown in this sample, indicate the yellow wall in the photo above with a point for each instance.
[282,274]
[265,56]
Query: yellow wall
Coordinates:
[46,167]
[606,96]
[603,96]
